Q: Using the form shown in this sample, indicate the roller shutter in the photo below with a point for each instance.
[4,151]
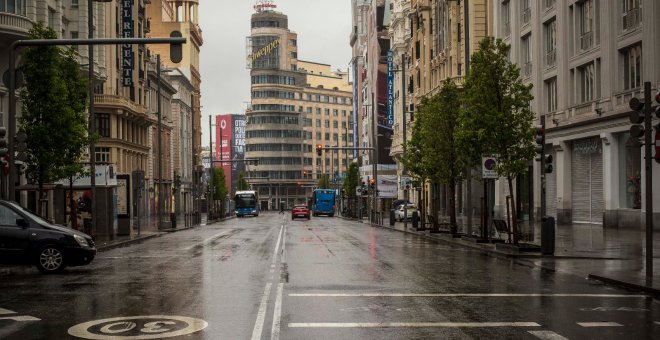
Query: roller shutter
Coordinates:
[587,181]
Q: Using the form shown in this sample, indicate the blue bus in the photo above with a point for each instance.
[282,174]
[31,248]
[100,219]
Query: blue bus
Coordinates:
[247,203]
[323,202]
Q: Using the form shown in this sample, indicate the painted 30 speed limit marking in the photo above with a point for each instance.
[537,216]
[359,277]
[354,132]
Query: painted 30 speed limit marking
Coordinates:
[138,327]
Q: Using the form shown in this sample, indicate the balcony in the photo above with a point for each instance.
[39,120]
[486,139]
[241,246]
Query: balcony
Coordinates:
[587,41]
[14,24]
[632,19]
[113,101]
[550,58]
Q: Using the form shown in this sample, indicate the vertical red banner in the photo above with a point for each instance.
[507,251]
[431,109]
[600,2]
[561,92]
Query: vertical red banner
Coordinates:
[223,133]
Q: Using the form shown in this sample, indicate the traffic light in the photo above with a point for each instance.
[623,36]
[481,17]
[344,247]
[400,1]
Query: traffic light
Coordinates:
[636,118]
[540,142]
[3,142]
[176,50]
[372,183]
[363,187]
[548,164]
[319,149]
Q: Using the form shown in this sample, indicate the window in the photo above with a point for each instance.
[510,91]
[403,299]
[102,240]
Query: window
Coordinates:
[318,110]
[294,55]
[327,112]
[293,42]
[632,14]
[343,113]
[632,67]
[294,67]
[506,18]
[630,169]
[526,10]
[551,43]
[343,125]
[51,17]
[327,124]
[551,90]
[335,124]
[309,110]
[335,137]
[335,113]
[74,2]
[327,136]
[318,136]
[309,97]
[102,155]
[318,123]
[8,216]
[526,57]
[587,15]
[103,124]
[587,79]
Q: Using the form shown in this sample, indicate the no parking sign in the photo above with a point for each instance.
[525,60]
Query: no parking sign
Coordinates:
[488,165]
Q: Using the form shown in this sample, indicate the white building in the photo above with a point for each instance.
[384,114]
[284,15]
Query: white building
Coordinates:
[586,59]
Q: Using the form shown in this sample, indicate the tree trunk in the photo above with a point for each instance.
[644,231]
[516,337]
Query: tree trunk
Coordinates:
[72,206]
[452,206]
[514,222]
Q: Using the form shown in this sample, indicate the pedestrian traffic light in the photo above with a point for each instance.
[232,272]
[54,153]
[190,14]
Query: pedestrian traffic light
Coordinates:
[548,164]
[319,149]
[636,118]
[176,50]
[540,142]
[3,142]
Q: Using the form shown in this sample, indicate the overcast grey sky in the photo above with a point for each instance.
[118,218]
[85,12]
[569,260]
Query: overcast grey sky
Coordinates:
[323,28]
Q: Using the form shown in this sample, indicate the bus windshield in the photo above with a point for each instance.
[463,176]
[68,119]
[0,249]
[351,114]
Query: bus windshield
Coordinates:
[245,201]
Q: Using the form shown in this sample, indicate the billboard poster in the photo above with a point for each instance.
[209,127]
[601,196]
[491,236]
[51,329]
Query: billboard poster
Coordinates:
[223,142]
[238,149]
[127,50]
[390,89]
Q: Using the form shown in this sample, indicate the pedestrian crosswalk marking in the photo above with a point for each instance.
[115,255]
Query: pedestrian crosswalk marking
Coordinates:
[412,324]
[20,318]
[600,324]
[547,335]
[6,311]
[462,295]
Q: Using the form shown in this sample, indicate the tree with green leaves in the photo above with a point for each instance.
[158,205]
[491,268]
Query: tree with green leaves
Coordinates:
[242,182]
[498,120]
[324,182]
[441,160]
[53,118]
[351,182]
[220,191]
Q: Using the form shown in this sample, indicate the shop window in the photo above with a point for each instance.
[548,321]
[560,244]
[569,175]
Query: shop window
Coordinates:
[630,179]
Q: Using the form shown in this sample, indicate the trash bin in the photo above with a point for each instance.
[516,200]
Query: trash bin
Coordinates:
[415,220]
[392,218]
[547,235]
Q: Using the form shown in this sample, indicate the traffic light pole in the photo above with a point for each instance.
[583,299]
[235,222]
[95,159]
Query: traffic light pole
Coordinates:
[543,173]
[648,162]
[57,42]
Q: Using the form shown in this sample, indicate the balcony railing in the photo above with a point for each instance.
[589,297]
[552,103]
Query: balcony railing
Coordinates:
[551,58]
[632,19]
[117,101]
[587,40]
[14,23]
[526,15]
[527,69]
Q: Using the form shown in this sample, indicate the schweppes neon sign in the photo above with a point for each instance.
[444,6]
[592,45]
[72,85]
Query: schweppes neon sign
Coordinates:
[263,51]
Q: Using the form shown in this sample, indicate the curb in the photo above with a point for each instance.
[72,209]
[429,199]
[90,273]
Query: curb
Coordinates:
[624,284]
[126,243]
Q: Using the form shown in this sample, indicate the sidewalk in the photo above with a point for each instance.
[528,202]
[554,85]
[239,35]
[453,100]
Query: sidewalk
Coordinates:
[614,256]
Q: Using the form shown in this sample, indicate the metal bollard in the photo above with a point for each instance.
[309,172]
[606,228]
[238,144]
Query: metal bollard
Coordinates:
[392,218]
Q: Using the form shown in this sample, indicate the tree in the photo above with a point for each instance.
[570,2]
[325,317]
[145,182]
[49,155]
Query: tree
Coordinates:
[242,182]
[498,120]
[441,160]
[324,182]
[352,180]
[220,191]
[53,118]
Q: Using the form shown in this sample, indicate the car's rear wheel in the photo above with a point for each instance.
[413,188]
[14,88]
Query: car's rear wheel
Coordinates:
[50,259]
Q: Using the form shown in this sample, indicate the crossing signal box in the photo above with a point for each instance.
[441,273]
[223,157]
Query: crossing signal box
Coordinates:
[636,118]
[319,149]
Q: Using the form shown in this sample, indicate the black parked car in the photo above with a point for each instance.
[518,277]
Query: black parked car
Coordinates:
[26,238]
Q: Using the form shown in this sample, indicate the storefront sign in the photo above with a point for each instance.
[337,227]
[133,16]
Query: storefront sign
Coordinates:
[390,88]
[488,165]
[127,50]
[263,51]
[586,146]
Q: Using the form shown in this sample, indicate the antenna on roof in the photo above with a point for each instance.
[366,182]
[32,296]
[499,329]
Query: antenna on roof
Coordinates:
[264,6]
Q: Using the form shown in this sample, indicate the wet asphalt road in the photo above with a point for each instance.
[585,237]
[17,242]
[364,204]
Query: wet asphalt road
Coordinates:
[273,278]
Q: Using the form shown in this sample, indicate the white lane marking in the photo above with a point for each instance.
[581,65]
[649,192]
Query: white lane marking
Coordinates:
[547,335]
[20,318]
[6,311]
[279,240]
[207,241]
[464,295]
[412,324]
[600,324]
[277,314]
[261,314]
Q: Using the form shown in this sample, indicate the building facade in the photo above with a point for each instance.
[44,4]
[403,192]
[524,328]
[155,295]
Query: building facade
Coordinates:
[587,59]
[295,105]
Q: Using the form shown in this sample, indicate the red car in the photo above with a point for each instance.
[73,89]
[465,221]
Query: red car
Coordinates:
[300,211]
